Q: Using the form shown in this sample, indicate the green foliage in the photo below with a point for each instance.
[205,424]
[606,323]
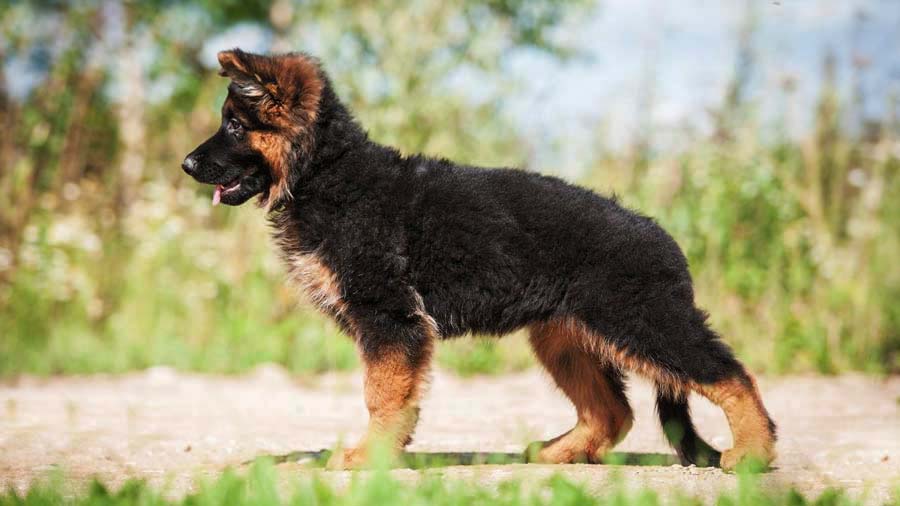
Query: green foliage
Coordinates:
[486,355]
[111,259]
[176,284]
[795,279]
[261,486]
[199,298]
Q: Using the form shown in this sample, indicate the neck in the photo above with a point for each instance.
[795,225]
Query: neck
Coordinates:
[336,132]
[335,135]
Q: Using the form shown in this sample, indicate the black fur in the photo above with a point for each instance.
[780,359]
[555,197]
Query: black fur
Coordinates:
[675,418]
[490,251]
[224,158]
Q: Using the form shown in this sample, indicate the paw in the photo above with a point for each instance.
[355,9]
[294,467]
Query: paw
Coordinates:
[752,459]
[579,445]
[351,458]
[542,452]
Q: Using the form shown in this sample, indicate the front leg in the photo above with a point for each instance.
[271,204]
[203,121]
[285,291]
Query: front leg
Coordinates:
[395,370]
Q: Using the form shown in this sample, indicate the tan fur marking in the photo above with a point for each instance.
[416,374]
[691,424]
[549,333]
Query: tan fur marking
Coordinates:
[598,345]
[229,60]
[286,92]
[313,85]
[431,326]
[392,391]
[319,283]
[746,416]
[275,148]
[604,416]
[299,117]
[742,403]
[393,388]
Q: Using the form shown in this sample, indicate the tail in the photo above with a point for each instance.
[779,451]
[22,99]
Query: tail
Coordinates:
[675,417]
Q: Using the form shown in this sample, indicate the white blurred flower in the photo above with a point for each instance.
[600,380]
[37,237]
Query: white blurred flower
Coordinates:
[31,233]
[59,277]
[71,191]
[61,232]
[90,243]
[172,227]
[207,259]
[208,290]
[73,231]
[157,210]
[856,177]
[5,259]
[95,308]
[40,133]
[29,256]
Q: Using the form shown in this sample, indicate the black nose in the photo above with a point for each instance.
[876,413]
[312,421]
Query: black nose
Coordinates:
[189,164]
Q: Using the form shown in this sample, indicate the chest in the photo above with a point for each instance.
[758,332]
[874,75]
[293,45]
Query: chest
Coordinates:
[306,269]
[314,280]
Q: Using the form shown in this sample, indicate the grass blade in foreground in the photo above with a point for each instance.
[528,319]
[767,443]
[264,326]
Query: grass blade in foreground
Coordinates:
[261,488]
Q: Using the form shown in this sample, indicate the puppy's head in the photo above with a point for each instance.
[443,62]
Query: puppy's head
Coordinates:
[266,129]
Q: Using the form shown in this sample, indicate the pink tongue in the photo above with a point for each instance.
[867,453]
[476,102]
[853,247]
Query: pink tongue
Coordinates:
[217,195]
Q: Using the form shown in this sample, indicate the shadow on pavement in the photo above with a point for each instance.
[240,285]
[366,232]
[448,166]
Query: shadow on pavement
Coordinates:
[422,460]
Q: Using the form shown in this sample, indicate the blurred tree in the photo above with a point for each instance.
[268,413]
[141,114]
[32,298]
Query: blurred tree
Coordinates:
[104,97]
[94,62]
[110,260]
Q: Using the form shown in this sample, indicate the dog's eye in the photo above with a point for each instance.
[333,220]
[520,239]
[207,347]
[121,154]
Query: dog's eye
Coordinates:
[234,126]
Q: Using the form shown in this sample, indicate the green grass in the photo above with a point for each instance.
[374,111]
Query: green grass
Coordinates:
[261,487]
[486,355]
[796,266]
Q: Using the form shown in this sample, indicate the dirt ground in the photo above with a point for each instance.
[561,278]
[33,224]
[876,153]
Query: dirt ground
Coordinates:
[172,428]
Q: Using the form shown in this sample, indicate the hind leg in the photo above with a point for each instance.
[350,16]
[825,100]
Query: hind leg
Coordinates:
[672,345]
[714,372]
[752,429]
[596,390]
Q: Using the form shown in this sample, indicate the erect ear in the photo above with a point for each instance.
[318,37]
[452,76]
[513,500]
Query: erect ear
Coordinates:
[234,63]
[287,84]
[249,73]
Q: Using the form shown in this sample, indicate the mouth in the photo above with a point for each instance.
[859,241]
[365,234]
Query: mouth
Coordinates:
[225,189]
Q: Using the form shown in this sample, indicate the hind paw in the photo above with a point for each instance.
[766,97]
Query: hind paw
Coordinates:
[754,459]
[579,445]
[350,458]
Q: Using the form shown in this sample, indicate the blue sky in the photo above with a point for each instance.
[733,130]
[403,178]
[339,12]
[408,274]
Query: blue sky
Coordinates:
[691,47]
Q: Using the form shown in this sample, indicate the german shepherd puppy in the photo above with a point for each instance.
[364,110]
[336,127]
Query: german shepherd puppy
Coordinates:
[404,250]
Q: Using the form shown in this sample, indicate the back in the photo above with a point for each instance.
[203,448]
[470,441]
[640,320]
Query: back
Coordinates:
[491,249]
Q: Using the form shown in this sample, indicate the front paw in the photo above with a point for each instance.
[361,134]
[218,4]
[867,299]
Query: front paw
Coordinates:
[350,458]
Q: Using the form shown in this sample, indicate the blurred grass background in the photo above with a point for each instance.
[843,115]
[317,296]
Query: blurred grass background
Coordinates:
[111,259]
